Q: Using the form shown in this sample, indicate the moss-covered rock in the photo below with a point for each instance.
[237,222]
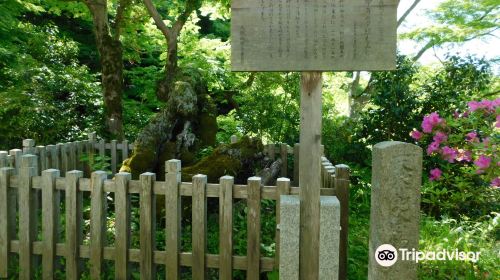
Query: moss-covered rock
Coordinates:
[239,159]
[140,161]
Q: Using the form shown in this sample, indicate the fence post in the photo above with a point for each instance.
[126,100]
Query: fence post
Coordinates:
[173,218]
[3,159]
[64,158]
[284,158]
[296,158]
[199,225]
[97,224]
[341,184]
[59,157]
[395,208]
[122,225]
[124,150]
[102,149]
[42,158]
[27,217]
[50,218]
[253,228]
[72,156]
[226,228]
[74,217]
[29,146]
[7,211]
[79,154]
[114,144]
[91,148]
[16,155]
[147,228]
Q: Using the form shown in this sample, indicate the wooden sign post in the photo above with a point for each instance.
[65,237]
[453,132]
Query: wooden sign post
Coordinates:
[311,36]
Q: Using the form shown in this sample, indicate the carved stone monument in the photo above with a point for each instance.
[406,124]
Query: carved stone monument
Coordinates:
[395,206]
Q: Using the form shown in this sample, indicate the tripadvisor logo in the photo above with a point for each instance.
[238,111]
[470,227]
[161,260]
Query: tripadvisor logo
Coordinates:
[386,255]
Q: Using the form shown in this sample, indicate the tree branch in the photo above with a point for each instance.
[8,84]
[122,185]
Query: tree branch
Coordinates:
[120,15]
[157,18]
[427,46]
[408,12]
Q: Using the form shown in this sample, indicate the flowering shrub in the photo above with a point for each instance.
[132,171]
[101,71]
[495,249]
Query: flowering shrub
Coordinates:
[463,152]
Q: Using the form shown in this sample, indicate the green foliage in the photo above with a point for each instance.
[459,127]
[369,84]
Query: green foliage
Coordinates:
[482,235]
[45,94]
[458,81]
[394,106]
[269,108]
[457,21]
[97,162]
[228,126]
[339,144]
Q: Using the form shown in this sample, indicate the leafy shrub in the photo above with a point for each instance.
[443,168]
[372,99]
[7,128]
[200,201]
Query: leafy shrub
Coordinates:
[462,159]
[45,94]
[467,236]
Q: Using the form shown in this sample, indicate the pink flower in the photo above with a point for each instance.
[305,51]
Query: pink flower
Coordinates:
[464,155]
[433,147]
[449,154]
[430,121]
[435,174]
[495,183]
[488,105]
[486,142]
[474,105]
[471,137]
[483,162]
[497,125]
[416,135]
[440,137]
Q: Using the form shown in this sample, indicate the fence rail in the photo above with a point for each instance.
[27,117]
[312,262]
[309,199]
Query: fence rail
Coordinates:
[26,187]
[68,156]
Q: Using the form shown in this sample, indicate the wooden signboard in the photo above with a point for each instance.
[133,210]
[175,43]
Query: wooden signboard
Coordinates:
[313,35]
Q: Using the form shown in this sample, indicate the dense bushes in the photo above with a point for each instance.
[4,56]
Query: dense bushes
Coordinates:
[463,159]
[45,94]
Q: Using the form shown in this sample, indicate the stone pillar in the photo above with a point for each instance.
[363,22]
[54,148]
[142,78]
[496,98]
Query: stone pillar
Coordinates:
[329,238]
[289,237]
[395,207]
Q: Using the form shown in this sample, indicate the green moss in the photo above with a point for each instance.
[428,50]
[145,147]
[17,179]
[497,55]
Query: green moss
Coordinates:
[139,162]
[208,129]
[248,147]
[214,166]
[227,159]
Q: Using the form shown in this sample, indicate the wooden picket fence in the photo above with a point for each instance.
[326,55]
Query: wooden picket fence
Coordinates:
[68,156]
[20,192]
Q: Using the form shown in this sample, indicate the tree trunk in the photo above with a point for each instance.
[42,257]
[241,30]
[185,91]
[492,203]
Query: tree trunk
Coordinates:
[111,60]
[352,94]
[165,85]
